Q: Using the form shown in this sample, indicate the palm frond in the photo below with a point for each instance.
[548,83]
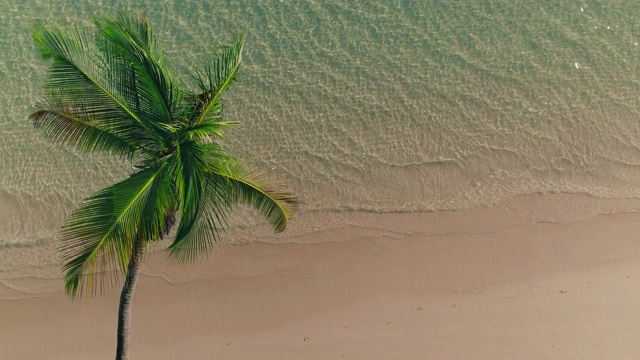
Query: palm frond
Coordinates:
[201,230]
[217,77]
[225,184]
[251,187]
[76,77]
[189,183]
[99,237]
[207,130]
[128,39]
[69,129]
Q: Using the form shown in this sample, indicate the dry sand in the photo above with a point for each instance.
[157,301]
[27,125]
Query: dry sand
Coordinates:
[357,288]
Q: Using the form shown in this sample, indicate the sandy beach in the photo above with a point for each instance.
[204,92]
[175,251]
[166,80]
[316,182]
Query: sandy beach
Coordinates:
[527,291]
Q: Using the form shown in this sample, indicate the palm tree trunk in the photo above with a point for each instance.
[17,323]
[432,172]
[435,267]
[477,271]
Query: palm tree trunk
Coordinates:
[124,311]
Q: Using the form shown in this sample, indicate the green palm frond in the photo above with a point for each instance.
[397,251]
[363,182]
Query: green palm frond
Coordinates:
[99,236]
[217,77]
[70,129]
[197,234]
[128,39]
[251,187]
[208,130]
[228,183]
[78,76]
[189,182]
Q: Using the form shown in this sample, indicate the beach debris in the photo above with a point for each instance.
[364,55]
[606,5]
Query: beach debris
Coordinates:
[577,66]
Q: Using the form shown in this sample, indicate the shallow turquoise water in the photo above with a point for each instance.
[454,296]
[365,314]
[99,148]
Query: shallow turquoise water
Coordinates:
[362,105]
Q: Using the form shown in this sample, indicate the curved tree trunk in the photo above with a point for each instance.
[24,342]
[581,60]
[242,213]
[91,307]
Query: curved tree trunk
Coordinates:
[124,311]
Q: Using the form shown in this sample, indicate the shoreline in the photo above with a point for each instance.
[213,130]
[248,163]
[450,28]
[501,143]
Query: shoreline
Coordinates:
[40,261]
[528,291]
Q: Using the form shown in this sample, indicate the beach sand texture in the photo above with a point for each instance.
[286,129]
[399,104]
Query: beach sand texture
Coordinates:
[469,172]
[359,291]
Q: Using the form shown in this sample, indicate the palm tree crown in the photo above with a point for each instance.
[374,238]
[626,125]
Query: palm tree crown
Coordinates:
[108,89]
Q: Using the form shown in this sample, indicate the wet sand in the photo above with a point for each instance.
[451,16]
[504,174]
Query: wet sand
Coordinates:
[528,291]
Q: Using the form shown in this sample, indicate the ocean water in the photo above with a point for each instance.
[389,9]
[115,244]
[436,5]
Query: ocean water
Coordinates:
[376,106]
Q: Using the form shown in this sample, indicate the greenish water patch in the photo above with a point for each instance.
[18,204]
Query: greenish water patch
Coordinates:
[377,106]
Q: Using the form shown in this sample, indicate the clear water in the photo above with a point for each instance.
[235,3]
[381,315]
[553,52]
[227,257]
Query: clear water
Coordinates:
[385,106]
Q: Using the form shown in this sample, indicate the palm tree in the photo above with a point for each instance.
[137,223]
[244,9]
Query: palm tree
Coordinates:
[108,89]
